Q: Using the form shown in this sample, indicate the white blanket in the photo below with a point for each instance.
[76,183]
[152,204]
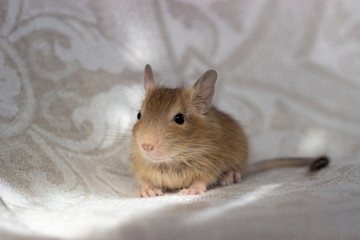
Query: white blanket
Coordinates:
[71,86]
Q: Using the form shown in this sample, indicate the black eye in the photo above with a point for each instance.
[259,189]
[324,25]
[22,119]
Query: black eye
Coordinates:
[139,116]
[179,118]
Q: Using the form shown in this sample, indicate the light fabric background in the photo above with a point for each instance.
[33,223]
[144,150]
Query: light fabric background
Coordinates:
[71,74]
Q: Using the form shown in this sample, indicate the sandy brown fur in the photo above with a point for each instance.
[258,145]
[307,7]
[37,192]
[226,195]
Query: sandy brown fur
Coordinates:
[207,148]
[201,146]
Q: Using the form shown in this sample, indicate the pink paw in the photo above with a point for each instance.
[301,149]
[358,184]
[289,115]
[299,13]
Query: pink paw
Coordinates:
[198,187]
[230,177]
[191,191]
[150,192]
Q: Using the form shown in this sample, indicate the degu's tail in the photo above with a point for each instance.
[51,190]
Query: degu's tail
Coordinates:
[315,163]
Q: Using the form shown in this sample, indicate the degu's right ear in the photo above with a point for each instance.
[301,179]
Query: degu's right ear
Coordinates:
[203,91]
[148,78]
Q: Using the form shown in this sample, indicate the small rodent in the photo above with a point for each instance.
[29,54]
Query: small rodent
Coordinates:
[182,142]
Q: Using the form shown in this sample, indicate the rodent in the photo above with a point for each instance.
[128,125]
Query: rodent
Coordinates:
[182,142]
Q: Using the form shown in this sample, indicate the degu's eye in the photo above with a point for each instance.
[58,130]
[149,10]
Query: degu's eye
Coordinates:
[139,115]
[179,118]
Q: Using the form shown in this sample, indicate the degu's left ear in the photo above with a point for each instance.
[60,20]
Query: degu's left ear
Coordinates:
[203,91]
[148,78]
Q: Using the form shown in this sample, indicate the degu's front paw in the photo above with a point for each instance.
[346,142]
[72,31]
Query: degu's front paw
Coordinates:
[150,192]
[198,187]
[191,191]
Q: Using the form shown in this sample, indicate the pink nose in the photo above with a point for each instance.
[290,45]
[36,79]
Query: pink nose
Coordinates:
[148,147]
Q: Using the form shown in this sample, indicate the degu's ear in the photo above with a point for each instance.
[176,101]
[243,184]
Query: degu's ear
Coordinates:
[203,91]
[148,78]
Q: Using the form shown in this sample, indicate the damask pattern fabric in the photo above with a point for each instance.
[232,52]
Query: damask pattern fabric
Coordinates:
[71,85]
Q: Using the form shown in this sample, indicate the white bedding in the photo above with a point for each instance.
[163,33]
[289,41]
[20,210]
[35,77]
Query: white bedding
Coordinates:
[71,85]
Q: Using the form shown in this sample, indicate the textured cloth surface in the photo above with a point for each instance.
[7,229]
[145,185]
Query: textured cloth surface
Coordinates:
[71,86]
